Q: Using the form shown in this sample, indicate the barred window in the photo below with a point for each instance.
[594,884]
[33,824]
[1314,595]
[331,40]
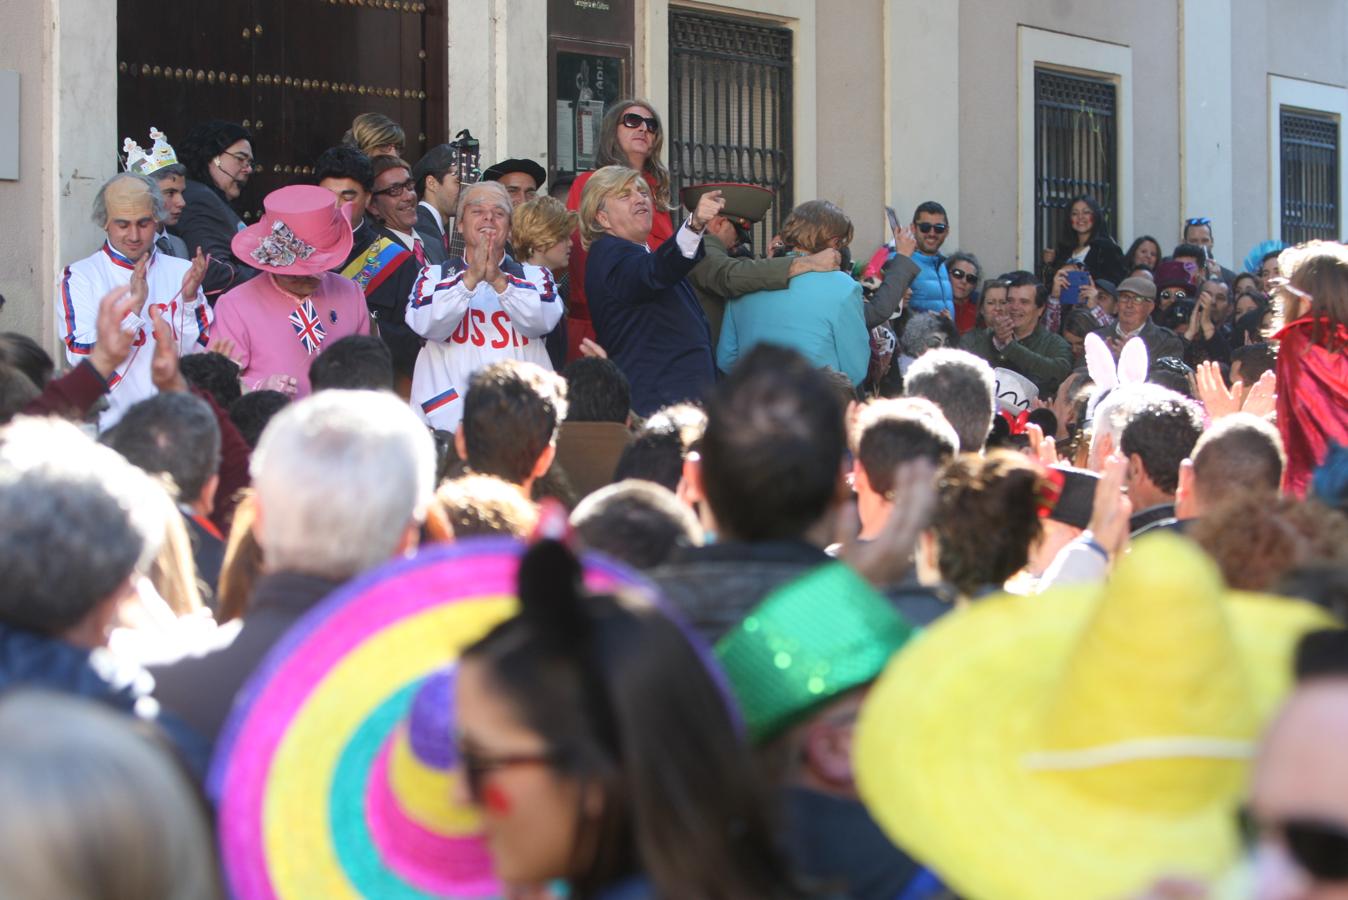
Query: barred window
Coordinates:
[1310,175]
[1075,148]
[730,108]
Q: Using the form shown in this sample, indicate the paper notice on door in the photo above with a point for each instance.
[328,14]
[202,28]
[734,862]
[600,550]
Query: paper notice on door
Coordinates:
[566,137]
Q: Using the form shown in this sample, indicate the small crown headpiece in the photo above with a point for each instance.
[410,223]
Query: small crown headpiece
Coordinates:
[160,156]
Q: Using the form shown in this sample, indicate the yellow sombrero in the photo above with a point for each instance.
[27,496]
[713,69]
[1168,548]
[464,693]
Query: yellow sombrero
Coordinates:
[1079,743]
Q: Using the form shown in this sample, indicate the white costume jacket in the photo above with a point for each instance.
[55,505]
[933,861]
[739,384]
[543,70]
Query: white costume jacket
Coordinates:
[466,330]
[81,288]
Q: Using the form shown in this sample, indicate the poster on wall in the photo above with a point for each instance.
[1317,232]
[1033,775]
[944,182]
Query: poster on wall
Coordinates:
[586,84]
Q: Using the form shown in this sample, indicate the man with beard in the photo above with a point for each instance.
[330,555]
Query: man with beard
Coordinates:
[476,311]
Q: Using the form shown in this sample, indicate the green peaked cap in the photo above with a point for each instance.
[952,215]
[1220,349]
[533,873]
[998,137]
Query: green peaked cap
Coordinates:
[809,641]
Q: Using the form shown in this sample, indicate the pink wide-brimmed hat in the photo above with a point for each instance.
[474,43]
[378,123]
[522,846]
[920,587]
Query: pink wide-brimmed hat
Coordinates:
[302,232]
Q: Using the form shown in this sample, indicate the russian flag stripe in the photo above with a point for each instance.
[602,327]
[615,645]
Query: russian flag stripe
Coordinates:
[440,400]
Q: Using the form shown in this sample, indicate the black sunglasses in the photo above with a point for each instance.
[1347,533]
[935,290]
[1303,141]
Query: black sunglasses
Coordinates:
[633,120]
[961,275]
[1177,294]
[477,766]
[927,227]
[1319,848]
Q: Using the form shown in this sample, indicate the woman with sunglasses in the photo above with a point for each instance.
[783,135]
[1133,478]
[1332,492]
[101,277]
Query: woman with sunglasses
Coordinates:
[1312,294]
[631,135]
[1085,241]
[963,269]
[600,751]
[219,161]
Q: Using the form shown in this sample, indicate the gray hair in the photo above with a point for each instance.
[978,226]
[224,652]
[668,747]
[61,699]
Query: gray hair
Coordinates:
[962,386]
[339,476]
[501,197]
[925,331]
[94,807]
[173,434]
[1111,414]
[78,522]
[100,213]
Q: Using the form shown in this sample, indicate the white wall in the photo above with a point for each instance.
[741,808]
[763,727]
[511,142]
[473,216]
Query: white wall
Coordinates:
[67,147]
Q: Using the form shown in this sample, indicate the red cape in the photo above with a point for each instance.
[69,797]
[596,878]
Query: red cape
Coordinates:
[1312,398]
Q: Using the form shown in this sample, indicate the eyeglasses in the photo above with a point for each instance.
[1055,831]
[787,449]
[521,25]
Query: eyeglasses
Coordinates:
[397,190]
[1176,294]
[1202,220]
[244,160]
[1132,299]
[634,120]
[928,227]
[961,275]
[1319,848]
[477,766]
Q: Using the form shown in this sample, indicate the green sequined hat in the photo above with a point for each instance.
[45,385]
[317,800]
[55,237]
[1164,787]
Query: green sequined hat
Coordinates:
[806,643]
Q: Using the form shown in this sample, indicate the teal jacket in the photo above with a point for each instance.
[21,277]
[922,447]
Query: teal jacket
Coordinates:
[819,314]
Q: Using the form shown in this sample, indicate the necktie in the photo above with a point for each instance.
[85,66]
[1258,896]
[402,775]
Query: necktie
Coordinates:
[419,252]
[164,246]
[444,239]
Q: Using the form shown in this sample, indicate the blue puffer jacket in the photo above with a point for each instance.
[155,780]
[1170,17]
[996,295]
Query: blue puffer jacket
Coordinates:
[931,287]
[28,659]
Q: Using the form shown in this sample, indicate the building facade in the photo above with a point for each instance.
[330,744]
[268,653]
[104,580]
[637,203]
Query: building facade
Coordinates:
[1000,109]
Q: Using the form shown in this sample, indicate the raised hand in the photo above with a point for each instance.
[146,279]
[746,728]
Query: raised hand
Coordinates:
[140,288]
[1213,393]
[113,344]
[884,560]
[1111,508]
[164,369]
[590,348]
[905,241]
[226,348]
[709,206]
[1262,399]
[193,277]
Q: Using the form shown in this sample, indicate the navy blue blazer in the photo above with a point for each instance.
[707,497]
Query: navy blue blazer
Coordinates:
[647,318]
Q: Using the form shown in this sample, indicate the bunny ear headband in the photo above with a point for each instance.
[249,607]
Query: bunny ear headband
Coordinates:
[1131,369]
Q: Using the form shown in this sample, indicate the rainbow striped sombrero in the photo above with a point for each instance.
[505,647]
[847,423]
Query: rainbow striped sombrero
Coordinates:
[335,774]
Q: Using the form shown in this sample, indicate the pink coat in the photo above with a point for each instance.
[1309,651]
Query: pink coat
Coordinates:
[256,317]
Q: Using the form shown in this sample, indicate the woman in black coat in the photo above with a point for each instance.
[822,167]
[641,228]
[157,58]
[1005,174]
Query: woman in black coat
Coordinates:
[1085,240]
[219,160]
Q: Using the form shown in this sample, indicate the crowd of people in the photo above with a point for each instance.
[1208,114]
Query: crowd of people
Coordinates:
[445,533]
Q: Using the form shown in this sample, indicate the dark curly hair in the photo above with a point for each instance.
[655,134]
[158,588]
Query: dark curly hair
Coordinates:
[1163,433]
[987,517]
[204,143]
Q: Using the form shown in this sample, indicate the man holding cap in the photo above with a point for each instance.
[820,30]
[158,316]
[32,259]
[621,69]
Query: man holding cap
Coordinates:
[1137,298]
[729,269]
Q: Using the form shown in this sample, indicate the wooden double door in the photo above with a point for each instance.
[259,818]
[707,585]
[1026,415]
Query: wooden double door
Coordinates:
[294,72]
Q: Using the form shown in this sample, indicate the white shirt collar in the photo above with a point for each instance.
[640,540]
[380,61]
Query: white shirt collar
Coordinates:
[408,239]
[439,219]
[1129,334]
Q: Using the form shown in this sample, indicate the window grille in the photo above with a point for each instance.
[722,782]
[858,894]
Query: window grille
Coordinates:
[1310,176]
[1075,148]
[730,108]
